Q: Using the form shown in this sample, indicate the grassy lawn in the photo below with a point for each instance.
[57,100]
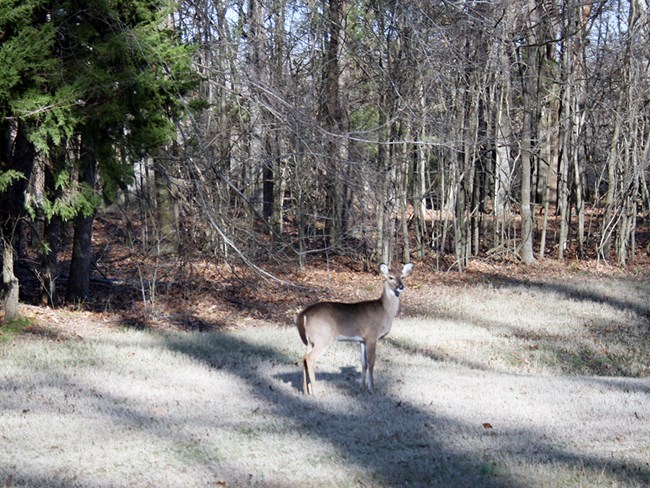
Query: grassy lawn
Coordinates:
[506,383]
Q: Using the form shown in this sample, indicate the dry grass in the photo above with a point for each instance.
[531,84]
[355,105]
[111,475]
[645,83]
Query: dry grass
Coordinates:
[510,383]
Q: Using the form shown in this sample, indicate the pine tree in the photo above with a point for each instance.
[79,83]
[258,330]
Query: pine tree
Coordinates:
[24,49]
[130,71]
[105,78]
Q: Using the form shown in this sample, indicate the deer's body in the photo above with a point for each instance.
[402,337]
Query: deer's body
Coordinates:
[365,322]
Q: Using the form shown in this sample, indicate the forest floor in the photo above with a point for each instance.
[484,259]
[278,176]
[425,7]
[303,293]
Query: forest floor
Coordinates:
[188,374]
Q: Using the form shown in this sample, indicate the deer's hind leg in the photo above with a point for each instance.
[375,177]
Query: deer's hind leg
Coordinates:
[313,352]
[305,373]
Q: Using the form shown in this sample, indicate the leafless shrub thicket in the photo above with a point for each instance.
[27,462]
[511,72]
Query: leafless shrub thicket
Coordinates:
[389,129]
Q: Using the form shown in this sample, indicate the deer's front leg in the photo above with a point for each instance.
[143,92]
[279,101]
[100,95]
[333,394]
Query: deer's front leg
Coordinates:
[370,359]
[364,362]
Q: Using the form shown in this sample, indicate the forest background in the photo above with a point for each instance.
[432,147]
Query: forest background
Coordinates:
[212,166]
[271,134]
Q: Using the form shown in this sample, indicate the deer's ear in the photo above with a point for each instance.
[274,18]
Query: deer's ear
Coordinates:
[384,269]
[406,270]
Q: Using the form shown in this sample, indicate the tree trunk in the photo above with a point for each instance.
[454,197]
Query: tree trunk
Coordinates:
[528,65]
[166,212]
[386,213]
[80,265]
[403,192]
[420,184]
[10,285]
[548,161]
[81,262]
[502,159]
[52,227]
[335,123]
[18,154]
[257,80]
[460,234]
[527,256]
[49,261]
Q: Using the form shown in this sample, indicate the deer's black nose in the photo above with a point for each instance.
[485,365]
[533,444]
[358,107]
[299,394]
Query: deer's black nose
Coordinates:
[399,290]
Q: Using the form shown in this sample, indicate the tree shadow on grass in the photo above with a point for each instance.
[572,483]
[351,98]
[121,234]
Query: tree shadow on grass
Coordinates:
[574,291]
[434,354]
[392,441]
[390,453]
[602,343]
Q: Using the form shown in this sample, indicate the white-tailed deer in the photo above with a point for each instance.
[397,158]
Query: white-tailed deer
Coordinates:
[364,322]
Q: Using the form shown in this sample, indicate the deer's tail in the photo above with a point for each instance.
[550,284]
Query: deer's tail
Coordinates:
[300,323]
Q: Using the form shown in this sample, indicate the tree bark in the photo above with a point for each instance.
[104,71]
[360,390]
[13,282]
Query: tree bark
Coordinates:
[81,262]
[10,285]
[52,228]
[167,219]
[528,63]
[527,256]
[335,123]
[17,153]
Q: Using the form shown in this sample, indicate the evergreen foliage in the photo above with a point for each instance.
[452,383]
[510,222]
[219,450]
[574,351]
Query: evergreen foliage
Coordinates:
[91,87]
[112,71]
[128,71]
[8,177]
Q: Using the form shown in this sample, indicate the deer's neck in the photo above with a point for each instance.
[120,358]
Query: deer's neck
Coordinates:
[390,301]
